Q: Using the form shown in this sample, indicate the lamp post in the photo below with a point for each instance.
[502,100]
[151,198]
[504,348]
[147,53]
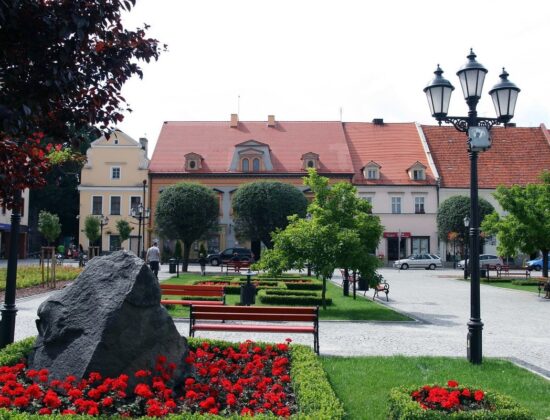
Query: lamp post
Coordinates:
[140,214]
[467,226]
[504,95]
[103,221]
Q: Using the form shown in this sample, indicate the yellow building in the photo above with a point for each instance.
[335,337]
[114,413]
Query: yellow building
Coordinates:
[114,187]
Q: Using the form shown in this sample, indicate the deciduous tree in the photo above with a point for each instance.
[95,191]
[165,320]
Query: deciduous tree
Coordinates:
[526,226]
[124,230]
[186,211]
[92,228]
[49,226]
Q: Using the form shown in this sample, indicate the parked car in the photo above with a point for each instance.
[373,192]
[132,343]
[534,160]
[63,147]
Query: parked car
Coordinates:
[485,259]
[427,261]
[536,264]
[244,254]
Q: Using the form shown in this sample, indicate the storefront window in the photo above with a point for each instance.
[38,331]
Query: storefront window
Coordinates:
[420,245]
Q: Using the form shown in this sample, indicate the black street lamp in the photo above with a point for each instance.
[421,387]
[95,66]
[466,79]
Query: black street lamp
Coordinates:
[467,226]
[504,95]
[103,221]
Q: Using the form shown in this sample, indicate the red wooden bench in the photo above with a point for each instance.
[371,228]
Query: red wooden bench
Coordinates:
[381,287]
[505,269]
[192,290]
[202,316]
[235,266]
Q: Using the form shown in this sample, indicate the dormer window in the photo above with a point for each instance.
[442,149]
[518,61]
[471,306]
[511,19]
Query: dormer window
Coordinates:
[193,161]
[417,172]
[245,165]
[371,171]
[310,160]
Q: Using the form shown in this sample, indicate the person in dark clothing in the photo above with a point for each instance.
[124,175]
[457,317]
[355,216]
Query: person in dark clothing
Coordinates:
[202,262]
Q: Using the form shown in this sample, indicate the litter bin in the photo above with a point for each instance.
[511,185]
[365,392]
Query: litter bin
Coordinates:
[483,273]
[363,283]
[248,294]
[172,265]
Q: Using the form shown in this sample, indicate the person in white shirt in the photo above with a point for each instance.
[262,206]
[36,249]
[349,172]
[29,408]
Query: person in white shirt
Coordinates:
[153,258]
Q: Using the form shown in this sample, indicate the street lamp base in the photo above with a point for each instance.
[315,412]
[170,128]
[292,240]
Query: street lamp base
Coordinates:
[474,342]
[7,325]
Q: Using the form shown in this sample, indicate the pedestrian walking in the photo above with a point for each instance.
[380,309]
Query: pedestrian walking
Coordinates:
[153,258]
[202,262]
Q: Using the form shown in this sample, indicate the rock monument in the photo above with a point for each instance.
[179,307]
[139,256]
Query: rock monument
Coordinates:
[110,321]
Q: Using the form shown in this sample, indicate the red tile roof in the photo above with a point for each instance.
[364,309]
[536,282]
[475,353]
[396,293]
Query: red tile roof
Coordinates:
[394,146]
[517,156]
[216,141]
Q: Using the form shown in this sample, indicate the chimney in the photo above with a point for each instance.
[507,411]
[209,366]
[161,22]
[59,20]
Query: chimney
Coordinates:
[234,120]
[271,121]
[144,142]
[378,121]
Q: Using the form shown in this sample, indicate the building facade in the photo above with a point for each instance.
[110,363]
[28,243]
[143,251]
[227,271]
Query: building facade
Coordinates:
[114,181]
[5,229]
[225,154]
[394,171]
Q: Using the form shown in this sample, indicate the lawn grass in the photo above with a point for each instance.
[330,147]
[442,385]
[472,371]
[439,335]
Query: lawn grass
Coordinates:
[508,285]
[31,275]
[363,383]
[342,308]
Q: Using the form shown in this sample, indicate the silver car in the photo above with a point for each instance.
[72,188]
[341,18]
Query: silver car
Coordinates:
[485,259]
[427,261]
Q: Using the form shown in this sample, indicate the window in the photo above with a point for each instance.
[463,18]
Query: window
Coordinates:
[419,205]
[114,242]
[396,205]
[134,202]
[97,204]
[418,174]
[115,205]
[372,173]
[311,164]
[420,245]
[115,172]
[246,165]
[192,164]
[256,165]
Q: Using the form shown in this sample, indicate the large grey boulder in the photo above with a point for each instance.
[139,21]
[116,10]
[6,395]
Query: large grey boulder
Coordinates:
[110,321]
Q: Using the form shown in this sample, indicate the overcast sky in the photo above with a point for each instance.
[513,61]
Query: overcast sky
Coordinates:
[305,60]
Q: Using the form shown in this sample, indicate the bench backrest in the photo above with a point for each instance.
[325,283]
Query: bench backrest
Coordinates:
[299,310]
[256,313]
[191,290]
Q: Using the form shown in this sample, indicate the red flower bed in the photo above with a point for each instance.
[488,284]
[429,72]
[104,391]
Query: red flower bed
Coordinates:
[450,398]
[245,380]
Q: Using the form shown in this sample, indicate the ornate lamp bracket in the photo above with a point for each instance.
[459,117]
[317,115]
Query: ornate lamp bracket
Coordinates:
[463,123]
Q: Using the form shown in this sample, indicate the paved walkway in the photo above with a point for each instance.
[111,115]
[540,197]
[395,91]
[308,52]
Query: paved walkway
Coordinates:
[515,322]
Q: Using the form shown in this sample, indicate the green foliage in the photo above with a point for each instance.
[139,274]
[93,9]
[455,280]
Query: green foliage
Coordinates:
[451,214]
[262,207]
[186,211]
[28,275]
[92,228]
[49,226]
[178,252]
[124,230]
[401,406]
[15,352]
[341,232]
[202,250]
[526,227]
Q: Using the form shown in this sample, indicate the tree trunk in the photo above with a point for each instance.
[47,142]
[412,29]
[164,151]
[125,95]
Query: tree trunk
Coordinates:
[256,248]
[354,283]
[186,251]
[345,282]
[545,262]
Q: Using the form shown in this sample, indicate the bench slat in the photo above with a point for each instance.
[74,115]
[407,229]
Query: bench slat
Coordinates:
[257,328]
[259,309]
[190,287]
[191,302]
[192,292]
[253,317]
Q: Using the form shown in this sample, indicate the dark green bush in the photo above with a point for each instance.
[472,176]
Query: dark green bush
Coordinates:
[287,292]
[305,286]
[402,406]
[292,300]
[528,282]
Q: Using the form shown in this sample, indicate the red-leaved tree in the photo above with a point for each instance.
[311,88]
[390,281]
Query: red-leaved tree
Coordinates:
[62,67]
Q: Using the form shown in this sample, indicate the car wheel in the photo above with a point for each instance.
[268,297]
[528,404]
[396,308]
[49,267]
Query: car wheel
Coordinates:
[537,267]
[404,266]
[431,267]
[215,262]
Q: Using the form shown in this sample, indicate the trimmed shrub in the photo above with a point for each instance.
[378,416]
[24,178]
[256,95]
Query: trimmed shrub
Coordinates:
[292,300]
[528,282]
[287,292]
[495,280]
[402,406]
[305,286]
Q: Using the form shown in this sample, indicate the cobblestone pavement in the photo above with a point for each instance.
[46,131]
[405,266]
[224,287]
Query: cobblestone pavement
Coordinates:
[515,322]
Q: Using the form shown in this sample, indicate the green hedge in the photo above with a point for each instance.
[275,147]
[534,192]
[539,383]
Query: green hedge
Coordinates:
[292,300]
[402,406]
[529,282]
[495,280]
[305,286]
[287,292]
[316,399]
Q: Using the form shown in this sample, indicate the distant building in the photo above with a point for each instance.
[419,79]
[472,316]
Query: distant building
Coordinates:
[393,170]
[112,183]
[517,157]
[5,229]
[225,154]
